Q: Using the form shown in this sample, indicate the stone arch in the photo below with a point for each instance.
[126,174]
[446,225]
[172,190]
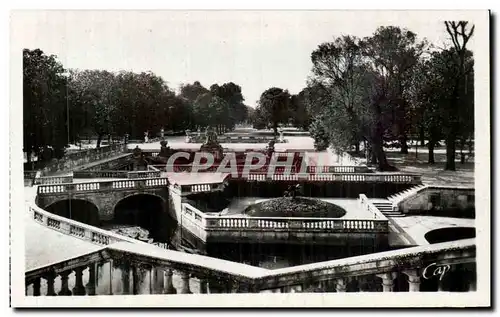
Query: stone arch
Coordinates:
[447,234]
[81,210]
[137,194]
[147,211]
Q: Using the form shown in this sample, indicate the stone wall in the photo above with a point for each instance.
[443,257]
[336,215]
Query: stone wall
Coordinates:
[439,199]
[72,160]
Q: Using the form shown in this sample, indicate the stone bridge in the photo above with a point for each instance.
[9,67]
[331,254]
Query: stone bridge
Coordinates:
[103,195]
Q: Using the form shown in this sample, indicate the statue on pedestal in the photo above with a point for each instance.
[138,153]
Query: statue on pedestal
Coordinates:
[292,191]
[164,149]
[270,148]
[211,144]
[282,138]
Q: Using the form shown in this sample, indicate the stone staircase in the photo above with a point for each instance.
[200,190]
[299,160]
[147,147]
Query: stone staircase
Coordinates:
[400,196]
[385,207]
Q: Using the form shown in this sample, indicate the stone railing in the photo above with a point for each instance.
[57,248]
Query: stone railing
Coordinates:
[143,174]
[195,138]
[126,268]
[49,180]
[76,229]
[206,226]
[30,176]
[367,205]
[71,160]
[182,168]
[100,174]
[337,169]
[152,168]
[102,185]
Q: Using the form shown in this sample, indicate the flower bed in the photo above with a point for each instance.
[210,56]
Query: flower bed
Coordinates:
[295,207]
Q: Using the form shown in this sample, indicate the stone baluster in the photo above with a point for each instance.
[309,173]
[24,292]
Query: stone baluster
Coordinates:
[50,277]
[91,284]
[185,283]
[79,289]
[36,287]
[169,286]
[413,280]
[341,285]
[64,284]
[387,281]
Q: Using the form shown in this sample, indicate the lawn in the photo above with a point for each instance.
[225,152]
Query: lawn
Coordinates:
[435,173]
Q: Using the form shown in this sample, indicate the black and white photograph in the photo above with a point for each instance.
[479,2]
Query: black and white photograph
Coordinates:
[250,158]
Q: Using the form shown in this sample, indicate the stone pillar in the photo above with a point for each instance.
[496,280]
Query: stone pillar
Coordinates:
[413,280]
[110,277]
[79,289]
[91,285]
[125,268]
[50,283]
[341,285]
[203,286]
[185,283]
[159,280]
[152,280]
[142,279]
[387,281]
[169,287]
[36,287]
[64,284]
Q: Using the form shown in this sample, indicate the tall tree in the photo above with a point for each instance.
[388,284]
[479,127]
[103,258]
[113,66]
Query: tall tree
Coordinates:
[94,91]
[352,96]
[274,106]
[44,103]
[460,36]
[394,53]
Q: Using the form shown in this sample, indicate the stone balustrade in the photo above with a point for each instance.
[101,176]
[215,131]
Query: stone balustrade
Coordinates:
[102,185]
[337,169]
[72,160]
[206,227]
[76,229]
[50,180]
[125,268]
[100,174]
[143,174]
[195,138]
[370,207]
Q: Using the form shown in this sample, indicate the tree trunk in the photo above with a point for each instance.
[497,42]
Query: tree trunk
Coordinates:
[430,145]
[422,136]
[382,164]
[404,144]
[275,128]
[99,139]
[357,147]
[416,151]
[462,154]
[450,152]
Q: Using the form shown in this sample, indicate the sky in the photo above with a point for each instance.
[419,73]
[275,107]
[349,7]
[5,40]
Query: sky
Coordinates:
[256,50]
